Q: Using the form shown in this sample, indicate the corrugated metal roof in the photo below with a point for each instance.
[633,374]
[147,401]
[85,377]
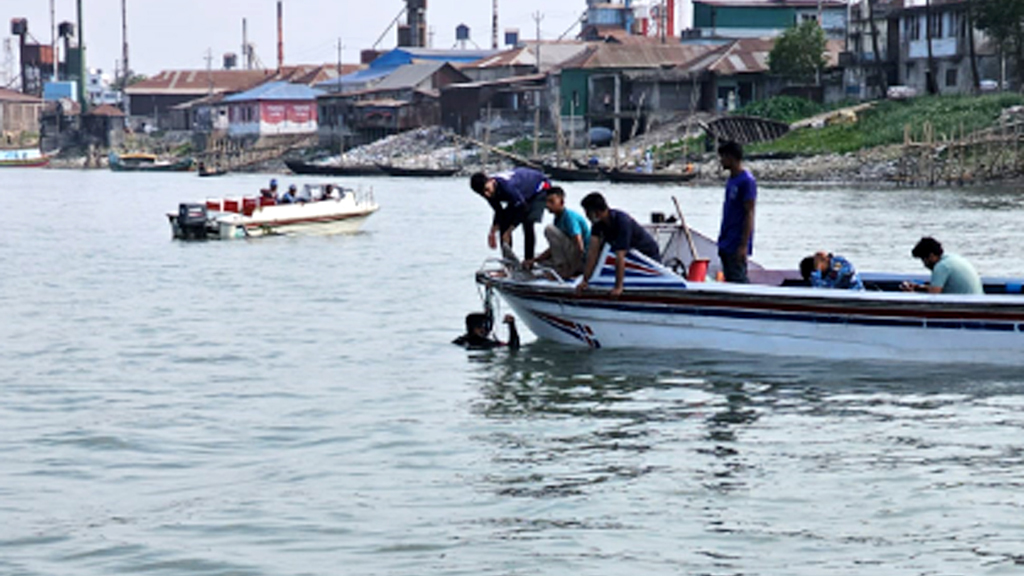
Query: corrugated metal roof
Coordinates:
[647,55]
[772,3]
[12,96]
[276,91]
[199,82]
[106,110]
[409,76]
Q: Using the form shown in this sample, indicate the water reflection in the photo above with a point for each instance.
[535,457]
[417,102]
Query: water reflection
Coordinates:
[570,420]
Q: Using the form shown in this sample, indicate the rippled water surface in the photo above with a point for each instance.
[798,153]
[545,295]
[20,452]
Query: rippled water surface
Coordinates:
[291,405]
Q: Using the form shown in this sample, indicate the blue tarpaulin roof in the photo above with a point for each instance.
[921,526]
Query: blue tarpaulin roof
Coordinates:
[395,59]
[276,91]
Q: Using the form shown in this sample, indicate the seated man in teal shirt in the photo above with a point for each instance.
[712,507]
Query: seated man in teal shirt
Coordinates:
[951,273]
[568,238]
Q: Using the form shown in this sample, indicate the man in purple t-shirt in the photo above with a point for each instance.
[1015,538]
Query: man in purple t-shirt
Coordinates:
[736,237]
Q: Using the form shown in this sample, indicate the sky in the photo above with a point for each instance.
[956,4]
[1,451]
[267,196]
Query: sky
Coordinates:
[176,34]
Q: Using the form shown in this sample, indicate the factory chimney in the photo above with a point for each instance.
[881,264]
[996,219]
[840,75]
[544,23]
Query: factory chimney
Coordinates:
[494,26]
[280,35]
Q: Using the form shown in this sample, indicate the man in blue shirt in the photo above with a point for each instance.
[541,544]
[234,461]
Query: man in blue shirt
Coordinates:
[289,196]
[621,232]
[568,238]
[826,270]
[736,237]
[522,192]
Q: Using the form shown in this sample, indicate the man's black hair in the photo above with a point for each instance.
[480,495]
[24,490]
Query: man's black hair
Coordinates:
[593,203]
[556,191]
[926,247]
[477,320]
[732,150]
[478,181]
[807,267]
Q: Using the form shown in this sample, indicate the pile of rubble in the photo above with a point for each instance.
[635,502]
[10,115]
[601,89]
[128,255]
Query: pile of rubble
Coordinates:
[431,147]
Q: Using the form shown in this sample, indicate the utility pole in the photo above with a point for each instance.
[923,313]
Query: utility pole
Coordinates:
[53,41]
[209,69]
[83,69]
[537,17]
[340,46]
[125,70]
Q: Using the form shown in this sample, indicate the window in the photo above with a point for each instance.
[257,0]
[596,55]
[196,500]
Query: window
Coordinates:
[951,77]
[935,25]
[913,28]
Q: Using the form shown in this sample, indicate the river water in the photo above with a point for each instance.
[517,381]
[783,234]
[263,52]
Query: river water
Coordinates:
[292,405]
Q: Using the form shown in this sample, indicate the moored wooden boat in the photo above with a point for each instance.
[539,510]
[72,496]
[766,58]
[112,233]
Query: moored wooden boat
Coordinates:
[141,162]
[23,158]
[310,168]
[402,172]
[616,175]
[574,174]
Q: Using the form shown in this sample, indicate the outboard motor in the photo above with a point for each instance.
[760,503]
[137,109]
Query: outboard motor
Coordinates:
[192,221]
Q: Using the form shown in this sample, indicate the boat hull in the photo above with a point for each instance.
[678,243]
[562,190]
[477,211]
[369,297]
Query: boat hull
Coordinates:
[23,158]
[625,176]
[218,221]
[117,165]
[398,172]
[299,167]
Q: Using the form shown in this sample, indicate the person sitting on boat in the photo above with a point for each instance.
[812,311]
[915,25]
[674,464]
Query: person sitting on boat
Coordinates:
[826,270]
[568,238]
[736,236]
[477,335]
[328,192]
[270,193]
[523,193]
[289,196]
[951,273]
[621,232]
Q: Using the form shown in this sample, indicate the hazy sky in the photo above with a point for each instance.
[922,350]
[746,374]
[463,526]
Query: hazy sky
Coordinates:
[166,34]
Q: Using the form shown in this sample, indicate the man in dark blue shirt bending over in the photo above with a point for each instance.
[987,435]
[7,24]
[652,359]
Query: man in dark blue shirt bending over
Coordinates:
[523,192]
[621,232]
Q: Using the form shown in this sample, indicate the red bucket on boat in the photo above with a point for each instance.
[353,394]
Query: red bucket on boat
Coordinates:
[213,205]
[698,270]
[231,205]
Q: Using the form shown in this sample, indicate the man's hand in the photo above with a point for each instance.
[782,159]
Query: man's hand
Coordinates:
[582,286]
[506,238]
[492,240]
[528,263]
[509,319]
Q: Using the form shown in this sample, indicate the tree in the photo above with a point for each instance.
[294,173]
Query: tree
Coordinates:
[799,53]
[1003,22]
[881,77]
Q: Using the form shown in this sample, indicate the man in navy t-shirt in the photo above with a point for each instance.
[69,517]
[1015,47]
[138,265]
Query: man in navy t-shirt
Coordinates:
[736,237]
[621,232]
[523,192]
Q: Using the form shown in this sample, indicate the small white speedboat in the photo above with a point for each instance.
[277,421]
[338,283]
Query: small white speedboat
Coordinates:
[320,209]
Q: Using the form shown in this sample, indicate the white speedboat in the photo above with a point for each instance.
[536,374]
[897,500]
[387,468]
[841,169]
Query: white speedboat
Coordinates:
[318,211]
[774,315]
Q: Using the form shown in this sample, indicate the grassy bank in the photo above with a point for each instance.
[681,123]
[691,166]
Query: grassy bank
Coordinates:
[884,123]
